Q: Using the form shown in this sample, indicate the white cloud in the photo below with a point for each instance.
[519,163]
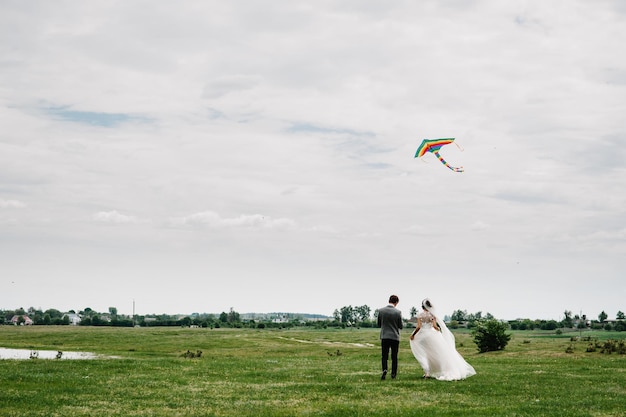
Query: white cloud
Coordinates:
[416,229]
[113,217]
[479,225]
[213,220]
[11,204]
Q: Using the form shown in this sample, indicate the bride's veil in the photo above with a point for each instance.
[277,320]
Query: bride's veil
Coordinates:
[445,332]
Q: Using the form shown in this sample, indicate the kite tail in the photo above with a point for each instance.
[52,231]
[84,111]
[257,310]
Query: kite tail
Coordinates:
[443,161]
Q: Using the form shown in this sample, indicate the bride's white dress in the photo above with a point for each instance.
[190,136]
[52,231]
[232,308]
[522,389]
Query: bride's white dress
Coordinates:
[436,352]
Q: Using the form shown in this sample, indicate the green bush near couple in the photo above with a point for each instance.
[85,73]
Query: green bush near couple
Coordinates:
[333,372]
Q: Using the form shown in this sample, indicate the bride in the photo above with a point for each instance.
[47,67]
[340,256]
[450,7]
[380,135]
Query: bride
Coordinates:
[433,347]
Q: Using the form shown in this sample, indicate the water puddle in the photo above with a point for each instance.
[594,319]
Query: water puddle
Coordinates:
[19,354]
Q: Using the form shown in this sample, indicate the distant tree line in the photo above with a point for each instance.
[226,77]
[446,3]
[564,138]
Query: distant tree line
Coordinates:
[460,318]
[346,316]
[90,317]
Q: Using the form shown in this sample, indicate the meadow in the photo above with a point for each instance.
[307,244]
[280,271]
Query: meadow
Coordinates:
[298,372]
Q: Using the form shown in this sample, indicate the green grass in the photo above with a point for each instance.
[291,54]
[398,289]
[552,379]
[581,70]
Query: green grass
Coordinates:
[332,372]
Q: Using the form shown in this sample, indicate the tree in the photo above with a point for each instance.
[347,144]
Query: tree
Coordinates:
[459,316]
[475,316]
[413,312]
[37,317]
[602,316]
[56,317]
[549,325]
[489,335]
[362,313]
[619,315]
[526,324]
[567,319]
[233,316]
[347,314]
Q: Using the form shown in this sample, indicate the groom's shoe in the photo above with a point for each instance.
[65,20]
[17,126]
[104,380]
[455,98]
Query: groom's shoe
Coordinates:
[393,376]
[383,376]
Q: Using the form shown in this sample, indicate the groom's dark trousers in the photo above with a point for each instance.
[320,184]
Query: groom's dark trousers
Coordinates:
[393,345]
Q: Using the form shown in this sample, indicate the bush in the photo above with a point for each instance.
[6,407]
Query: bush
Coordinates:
[620,326]
[611,346]
[549,325]
[489,335]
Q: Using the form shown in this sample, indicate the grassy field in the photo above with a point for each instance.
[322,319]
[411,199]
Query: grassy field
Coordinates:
[332,372]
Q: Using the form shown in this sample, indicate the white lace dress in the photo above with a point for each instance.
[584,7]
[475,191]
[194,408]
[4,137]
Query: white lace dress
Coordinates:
[436,352]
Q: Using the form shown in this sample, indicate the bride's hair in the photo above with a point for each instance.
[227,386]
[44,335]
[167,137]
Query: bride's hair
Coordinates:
[426,305]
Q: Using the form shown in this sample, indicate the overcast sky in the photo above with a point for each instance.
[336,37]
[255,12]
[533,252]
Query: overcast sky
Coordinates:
[195,156]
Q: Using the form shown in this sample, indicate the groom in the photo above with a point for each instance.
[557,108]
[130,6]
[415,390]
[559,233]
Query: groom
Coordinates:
[390,323]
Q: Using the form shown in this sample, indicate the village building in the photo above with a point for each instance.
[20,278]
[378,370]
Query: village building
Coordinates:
[21,320]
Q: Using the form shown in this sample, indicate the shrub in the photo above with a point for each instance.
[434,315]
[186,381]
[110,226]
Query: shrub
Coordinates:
[620,326]
[549,325]
[489,335]
[611,346]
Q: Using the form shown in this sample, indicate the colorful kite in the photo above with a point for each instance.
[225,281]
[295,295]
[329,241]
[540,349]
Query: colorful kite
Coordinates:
[433,146]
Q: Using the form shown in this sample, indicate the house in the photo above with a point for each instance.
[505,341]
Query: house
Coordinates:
[73,318]
[281,319]
[22,320]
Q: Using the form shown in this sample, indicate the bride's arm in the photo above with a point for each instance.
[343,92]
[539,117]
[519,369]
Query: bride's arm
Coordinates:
[417,329]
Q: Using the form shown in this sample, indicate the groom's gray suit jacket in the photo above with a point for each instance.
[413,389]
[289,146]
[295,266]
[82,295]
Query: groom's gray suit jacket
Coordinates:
[390,322]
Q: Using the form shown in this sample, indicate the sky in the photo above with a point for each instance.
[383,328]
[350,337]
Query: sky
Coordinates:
[198,156]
